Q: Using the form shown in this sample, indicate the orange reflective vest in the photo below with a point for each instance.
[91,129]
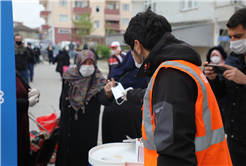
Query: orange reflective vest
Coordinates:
[210,143]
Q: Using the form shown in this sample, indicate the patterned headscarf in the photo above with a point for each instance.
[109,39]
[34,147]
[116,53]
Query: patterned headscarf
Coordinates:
[83,88]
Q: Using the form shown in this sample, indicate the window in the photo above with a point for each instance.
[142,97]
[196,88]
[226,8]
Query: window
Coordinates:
[77,17]
[125,7]
[97,9]
[97,24]
[63,18]
[189,4]
[81,3]
[125,21]
[150,3]
[64,31]
[112,6]
[62,2]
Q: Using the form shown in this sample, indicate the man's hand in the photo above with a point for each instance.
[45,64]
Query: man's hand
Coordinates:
[107,88]
[209,73]
[233,74]
[117,52]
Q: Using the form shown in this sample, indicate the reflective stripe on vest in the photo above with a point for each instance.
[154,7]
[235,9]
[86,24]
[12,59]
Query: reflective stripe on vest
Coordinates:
[211,137]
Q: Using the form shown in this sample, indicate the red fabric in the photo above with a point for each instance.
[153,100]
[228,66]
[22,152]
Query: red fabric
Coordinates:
[21,92]
[22,122]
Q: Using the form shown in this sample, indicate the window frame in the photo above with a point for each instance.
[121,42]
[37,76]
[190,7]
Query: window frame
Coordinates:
[124,7]
[185,5]
[124,20]
[151,3]
[63,3]
[98,8]
[63,15]
[69,31]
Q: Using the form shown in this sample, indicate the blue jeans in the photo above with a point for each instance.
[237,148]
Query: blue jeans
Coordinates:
[71,53]
[24,74]
[237,152]
[30,67]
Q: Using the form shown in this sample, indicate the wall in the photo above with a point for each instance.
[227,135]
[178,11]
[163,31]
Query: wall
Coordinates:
[125,14]
[62,10]
[172,11]
[98,16]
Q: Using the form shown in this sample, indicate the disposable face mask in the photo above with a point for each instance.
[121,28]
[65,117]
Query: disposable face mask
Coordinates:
[87,70]
[238,46]
[215,59]
[112,52]
[117,92]
[137,64]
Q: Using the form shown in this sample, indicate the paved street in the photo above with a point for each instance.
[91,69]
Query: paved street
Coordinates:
[49,83]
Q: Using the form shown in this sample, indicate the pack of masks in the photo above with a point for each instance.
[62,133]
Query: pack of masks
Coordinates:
[117,92]
[238,46]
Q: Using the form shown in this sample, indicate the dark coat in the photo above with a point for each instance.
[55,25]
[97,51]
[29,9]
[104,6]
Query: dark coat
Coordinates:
[77,137]
[235,108]
[23,136]
[50,52]
[60,59]
[67,57]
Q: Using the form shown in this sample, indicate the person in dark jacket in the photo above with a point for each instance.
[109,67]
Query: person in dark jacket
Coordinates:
[50,49]
[21,56]
[61,61]
[37,53]
[232,84]
[126,119]
[67,58]
[31,60]
[169,102]
[82,94]
[26,97]
[217,55]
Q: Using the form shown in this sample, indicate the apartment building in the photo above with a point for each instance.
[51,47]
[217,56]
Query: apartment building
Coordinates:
[202,24]
[108,17]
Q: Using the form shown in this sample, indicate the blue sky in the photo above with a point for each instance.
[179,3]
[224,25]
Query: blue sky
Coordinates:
[28,11]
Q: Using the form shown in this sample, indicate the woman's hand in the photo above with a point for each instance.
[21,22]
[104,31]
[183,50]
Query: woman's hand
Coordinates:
[107,88]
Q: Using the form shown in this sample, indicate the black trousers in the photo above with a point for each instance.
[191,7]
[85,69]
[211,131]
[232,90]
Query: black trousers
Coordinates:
[237,152]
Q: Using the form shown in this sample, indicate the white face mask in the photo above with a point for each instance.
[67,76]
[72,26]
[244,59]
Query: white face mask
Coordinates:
[136,63]
[87,70]
[238,46]
[117,92]
[112,52]
[215,59]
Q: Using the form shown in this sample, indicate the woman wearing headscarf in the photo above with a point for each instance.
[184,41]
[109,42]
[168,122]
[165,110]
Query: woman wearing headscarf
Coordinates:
[126,119]
[217,55]
[82,94]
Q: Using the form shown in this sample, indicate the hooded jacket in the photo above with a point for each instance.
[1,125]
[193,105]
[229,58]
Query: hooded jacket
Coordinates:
[180,91]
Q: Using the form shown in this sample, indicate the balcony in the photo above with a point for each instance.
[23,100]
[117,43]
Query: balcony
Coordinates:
[43,2]
[112,11]
[82,10]
[44,14]
[112,26]
[45,27]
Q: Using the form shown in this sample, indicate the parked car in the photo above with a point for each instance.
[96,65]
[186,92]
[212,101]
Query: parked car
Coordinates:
[44,51]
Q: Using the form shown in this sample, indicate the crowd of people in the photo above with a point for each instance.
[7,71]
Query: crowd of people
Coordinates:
[184,115]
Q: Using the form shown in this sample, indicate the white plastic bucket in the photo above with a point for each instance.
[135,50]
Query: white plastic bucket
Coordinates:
[114,154]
